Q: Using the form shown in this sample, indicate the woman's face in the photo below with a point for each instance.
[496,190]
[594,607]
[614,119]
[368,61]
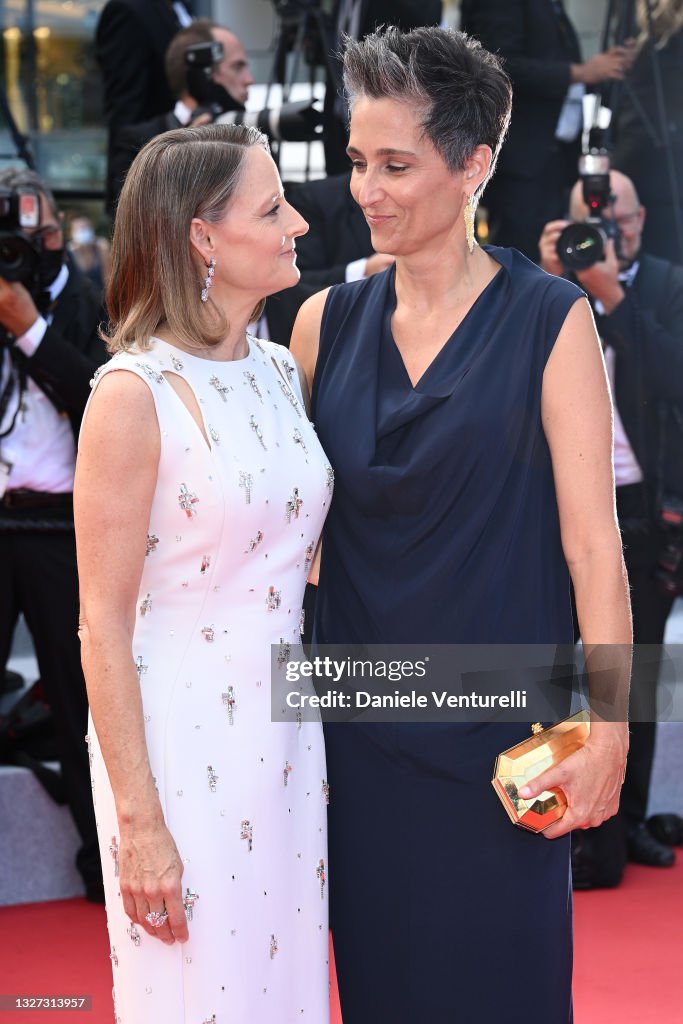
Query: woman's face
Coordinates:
[254,244]
[410,198]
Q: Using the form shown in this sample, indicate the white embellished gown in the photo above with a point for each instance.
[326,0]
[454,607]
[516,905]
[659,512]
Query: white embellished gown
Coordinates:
[231,535]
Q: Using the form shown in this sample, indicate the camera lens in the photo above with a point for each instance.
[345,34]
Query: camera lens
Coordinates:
[581,245]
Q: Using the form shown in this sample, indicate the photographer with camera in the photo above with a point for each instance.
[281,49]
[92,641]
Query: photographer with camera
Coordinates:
[638,301]
[209,76]
[49,350]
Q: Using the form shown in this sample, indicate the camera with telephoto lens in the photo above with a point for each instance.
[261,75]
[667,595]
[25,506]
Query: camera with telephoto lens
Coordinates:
[669,571]
[583,243]
[292,122]
[20,254]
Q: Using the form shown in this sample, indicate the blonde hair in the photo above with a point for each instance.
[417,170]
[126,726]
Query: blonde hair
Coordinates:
[667,20]
[156,276]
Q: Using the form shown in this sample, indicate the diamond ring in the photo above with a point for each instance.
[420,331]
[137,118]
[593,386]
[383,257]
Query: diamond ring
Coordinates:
[157,918]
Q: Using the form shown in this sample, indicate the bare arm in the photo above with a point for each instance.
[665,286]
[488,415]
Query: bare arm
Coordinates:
[306,335]
[113,494]
[577,420]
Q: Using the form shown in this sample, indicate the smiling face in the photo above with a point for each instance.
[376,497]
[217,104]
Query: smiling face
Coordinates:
[411,200]
[253,244]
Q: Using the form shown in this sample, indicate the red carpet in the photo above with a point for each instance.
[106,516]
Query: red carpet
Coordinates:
[629,955]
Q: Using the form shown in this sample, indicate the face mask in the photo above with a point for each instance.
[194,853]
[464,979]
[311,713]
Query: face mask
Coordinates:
[83,236]
[51,262]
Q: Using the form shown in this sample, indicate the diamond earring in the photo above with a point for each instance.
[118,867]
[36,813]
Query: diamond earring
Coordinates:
[208,281]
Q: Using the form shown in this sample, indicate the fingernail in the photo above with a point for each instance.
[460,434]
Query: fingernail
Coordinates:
[524,792]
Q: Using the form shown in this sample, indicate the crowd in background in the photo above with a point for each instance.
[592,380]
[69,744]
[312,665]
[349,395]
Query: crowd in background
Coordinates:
[51,345]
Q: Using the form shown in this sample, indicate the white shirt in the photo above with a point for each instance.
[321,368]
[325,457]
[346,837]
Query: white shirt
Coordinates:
[626,467]
[40,450]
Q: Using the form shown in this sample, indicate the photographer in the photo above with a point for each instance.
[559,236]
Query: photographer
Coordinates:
[209,76]
[638,301]
[541,54]
[49,350]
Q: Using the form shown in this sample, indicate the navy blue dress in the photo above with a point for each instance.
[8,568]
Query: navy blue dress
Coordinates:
[444,529]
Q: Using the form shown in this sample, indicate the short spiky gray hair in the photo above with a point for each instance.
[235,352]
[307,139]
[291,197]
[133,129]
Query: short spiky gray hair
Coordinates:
[458,88]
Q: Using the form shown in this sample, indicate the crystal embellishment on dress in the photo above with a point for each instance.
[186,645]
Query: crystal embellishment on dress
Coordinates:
[177,363]
[250,379]
[326,791]
[284,652]
[212,777]
[285,772]
[150,372]
[257,430]
[229,702]
[329,478]
[88,743]
[96,374]
[114,851]
[206,562]
[320,872]
[134,935]
[214,435]
[289,370]
[299,439]
[152,541]
[210,1020]
[273,599]
[187,500]
[113,957]
[302,621]
[209,634]
[146,606]
[189,901]
[254,543]
[290,396]
[293,506]
[247,833]
[273,947]
[246,483]
[308,557]
[140,668]
[221,388]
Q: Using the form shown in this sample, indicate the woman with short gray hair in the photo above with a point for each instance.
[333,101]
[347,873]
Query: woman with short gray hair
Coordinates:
[461,398]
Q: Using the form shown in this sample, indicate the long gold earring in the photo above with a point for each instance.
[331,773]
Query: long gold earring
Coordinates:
[470,209]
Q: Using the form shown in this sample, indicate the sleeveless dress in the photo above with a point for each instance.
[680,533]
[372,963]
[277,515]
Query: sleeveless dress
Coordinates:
[444,529]
[231,535]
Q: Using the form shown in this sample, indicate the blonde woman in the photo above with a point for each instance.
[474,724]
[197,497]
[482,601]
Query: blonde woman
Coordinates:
[200,493]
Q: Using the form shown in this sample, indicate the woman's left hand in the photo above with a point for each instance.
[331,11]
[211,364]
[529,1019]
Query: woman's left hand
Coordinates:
[590,778]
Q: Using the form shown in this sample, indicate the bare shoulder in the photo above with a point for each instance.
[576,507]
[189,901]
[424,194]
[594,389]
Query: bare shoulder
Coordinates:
[306,334]
[121,415]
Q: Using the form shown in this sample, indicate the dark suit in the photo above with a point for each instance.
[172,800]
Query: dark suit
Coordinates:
[646,333]
[338,234]
[407,15]
[131,39]
[38,557]
[535,171]
[125,145]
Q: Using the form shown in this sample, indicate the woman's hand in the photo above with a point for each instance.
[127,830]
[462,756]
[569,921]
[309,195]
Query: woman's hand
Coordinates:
[590,778]
[150,873]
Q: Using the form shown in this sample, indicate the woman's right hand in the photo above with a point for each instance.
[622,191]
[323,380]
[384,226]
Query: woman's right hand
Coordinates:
[150,874]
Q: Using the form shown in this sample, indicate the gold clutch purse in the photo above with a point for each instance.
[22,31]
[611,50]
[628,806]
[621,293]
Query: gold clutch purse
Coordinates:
[523,762]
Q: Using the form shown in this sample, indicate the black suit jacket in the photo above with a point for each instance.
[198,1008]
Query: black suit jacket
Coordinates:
[71,350]
[646,332]
[131,39]
[338,234]
[125,146]
[537,46]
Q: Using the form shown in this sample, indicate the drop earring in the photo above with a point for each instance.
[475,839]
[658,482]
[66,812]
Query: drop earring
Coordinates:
[470,209]
[208,281]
